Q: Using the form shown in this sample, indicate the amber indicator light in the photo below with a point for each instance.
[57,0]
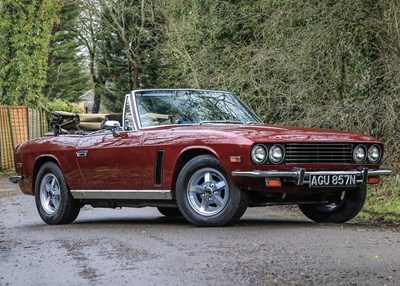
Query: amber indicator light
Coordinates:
[273,182]
[373,180]
[235,159]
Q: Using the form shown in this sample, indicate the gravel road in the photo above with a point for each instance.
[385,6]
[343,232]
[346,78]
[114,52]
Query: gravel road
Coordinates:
[269,246]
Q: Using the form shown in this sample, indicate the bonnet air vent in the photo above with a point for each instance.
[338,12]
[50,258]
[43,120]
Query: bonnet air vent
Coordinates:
[159,166]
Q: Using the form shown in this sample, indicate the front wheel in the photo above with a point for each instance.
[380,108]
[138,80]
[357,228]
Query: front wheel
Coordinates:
[345,207]
[205,194]
[54,201]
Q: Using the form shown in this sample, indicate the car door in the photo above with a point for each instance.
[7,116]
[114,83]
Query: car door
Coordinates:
[112,160]
[107,162]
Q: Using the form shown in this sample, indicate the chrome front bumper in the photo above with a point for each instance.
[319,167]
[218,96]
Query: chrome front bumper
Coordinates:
[300,176]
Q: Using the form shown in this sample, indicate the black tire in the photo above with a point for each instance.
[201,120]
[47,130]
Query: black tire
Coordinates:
[169,212]
[347,205]
[54,201]
[213,199]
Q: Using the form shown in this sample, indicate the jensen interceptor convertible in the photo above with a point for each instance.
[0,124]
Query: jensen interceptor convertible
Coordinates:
[200,154]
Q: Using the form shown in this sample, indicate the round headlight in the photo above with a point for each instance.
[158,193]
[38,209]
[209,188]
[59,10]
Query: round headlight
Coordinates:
[259,154]
[359,154]
[374,153]
[276,154]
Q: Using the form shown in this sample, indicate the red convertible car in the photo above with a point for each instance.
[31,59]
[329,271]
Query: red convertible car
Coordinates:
[197,153]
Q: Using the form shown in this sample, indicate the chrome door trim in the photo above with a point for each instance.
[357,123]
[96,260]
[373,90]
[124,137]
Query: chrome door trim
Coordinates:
[122,194]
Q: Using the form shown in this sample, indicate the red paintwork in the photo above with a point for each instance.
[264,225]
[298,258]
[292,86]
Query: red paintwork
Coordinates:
[128,161]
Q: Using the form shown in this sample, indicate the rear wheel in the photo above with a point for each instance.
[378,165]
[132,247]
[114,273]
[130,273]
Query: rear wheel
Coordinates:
[205,194]
[347,205]
[169,212]
[54,201]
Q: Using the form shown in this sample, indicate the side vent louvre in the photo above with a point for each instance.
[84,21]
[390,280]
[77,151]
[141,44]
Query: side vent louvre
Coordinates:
[159,166]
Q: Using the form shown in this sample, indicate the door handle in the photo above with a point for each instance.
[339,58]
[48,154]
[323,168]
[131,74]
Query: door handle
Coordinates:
[81,153]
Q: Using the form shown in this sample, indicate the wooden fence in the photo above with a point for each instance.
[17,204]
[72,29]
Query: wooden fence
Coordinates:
[17,125]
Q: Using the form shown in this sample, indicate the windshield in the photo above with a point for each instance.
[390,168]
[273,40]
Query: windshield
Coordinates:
[160,107]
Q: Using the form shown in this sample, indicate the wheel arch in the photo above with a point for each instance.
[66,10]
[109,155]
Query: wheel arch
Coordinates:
[40,161]
[187,155]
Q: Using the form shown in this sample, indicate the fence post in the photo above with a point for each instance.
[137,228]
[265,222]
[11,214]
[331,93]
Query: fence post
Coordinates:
[11,129]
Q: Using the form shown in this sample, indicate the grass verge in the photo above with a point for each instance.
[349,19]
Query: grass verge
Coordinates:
[383,202]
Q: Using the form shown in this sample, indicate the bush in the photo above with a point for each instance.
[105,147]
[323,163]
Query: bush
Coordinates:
[61,105]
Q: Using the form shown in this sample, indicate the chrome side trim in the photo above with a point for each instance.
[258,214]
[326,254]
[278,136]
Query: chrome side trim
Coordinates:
[300,175]
[15,179]
[122,194]
[380,172]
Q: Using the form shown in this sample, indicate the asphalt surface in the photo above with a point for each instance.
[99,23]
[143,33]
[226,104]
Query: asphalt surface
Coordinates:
[269,246]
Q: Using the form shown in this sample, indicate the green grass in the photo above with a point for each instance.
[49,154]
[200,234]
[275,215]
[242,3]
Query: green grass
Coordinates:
[7,172]
[383,202]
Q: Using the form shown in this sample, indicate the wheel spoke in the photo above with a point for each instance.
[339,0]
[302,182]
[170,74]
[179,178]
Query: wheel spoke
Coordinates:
[207,177]
[56,191]
[217,200]
[47,187]
[47,200]
[220,185]
[53,181]
[197,189]
[54,202]
[204,203]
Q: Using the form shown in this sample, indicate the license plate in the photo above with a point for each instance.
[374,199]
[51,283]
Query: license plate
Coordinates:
[332,180]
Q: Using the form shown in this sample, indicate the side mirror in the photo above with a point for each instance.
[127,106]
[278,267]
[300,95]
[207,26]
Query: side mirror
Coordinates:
[114,126]
[111,124]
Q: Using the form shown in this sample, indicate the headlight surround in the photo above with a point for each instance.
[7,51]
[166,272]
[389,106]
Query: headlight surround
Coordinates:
[259,154]
[374,153]
[276,154]
[359,154]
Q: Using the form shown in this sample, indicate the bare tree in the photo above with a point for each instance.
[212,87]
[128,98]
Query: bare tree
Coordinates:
[89,30]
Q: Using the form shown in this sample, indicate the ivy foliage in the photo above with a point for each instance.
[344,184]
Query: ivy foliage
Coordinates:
[25,34]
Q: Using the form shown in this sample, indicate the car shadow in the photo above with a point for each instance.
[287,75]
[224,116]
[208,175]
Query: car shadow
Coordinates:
[275,222]
[247,222]
[180,221]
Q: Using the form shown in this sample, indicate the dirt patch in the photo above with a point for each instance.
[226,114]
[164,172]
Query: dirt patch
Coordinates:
[8,189]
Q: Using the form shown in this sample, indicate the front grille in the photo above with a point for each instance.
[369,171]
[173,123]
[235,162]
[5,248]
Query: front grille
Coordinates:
[319,153]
